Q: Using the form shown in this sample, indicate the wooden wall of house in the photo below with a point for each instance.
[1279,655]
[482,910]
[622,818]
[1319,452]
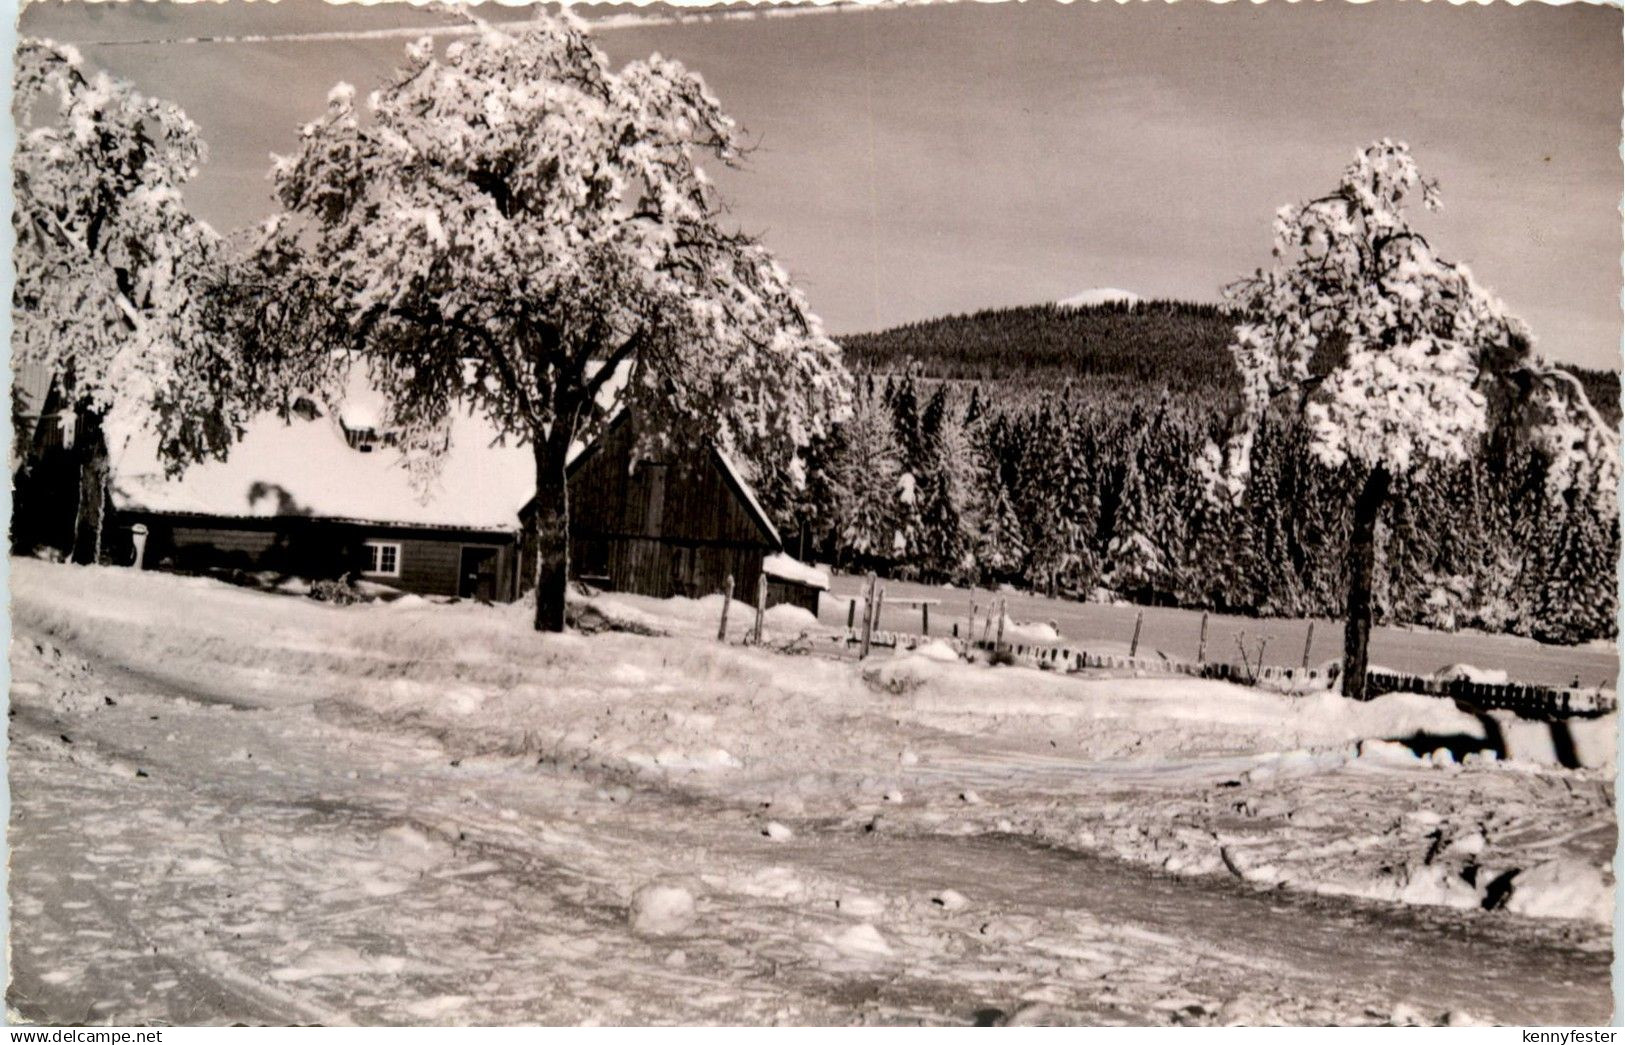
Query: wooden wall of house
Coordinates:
[430,564]
[44,486]
[686,498]
[249,546]
[292,546]
[433,567]
[663,568]
[672,527]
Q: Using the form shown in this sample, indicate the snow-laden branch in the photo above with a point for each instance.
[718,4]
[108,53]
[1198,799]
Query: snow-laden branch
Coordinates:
[510,199]
[116,280]
[1420,340]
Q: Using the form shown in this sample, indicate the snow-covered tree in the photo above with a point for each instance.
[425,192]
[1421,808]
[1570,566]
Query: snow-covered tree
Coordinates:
[1409,351]
[1151,531]
[1579,597]
[1080,503]
[998,547]
[864,474]
[116,280]
[508,225]
[946,482]
[1043,484]
[903,397]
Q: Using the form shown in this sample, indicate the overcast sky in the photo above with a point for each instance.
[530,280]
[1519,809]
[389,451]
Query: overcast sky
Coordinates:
[915,162]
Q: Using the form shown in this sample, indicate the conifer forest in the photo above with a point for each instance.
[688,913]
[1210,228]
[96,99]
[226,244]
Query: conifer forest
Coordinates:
[1058,450]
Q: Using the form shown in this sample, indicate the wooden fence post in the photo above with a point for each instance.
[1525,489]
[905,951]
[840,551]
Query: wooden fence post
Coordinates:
[727,597]
[851,612]
[1201,643]
[925,618]
[880,604]
[998,639]
[868,616]
[1134,644]
[761,604]
[1308,640]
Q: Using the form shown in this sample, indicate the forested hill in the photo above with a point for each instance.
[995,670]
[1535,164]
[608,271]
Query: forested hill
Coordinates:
[1144,348]
[1154,344]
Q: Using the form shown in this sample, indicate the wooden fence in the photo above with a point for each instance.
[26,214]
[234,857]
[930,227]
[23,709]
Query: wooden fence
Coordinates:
[1527,701]
[1534,702]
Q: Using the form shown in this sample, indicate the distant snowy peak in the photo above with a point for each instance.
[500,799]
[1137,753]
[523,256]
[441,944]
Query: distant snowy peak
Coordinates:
[1100,296]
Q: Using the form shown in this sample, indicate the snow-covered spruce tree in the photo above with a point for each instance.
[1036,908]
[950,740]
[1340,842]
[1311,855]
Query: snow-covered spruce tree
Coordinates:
[1203,574]
[1153,530]
[116,280]
[1536,533]
[1407,580]
[1136,559]
[1041,486]
[1496,557]
[1579,598]
[1272,500]
[1168,445]
[1080,502]
[1412,351]
[509,225]
[806,512]
[903,397]
[946,482]
[997,542]
[863,473]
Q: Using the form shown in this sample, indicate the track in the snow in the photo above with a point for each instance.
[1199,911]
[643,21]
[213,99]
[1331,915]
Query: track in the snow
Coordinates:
[1435,960]
[1217,938]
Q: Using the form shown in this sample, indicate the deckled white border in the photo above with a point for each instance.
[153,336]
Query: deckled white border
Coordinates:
[762,9]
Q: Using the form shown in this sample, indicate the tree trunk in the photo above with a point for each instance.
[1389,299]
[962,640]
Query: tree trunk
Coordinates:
[1362,564]
[551,528]
[90,455]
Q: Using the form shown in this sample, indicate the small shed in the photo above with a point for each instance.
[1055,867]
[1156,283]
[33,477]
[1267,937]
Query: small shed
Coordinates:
[794,583]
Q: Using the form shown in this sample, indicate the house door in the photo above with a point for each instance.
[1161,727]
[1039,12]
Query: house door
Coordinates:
[478,577]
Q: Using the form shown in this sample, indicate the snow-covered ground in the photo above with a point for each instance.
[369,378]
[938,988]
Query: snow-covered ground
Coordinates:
[232,805]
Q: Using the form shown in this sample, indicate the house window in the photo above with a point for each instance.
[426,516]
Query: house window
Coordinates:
[383,559]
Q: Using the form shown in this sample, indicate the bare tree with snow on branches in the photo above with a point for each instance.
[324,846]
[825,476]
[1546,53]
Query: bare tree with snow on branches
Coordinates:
[116,292]
[509,224]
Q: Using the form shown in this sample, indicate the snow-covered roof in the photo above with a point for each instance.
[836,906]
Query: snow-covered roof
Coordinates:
[786,568]
[361,413]
[306,467]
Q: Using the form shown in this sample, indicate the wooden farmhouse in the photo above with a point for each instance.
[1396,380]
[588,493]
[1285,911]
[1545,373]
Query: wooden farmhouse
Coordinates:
[326,497]
[330,496]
